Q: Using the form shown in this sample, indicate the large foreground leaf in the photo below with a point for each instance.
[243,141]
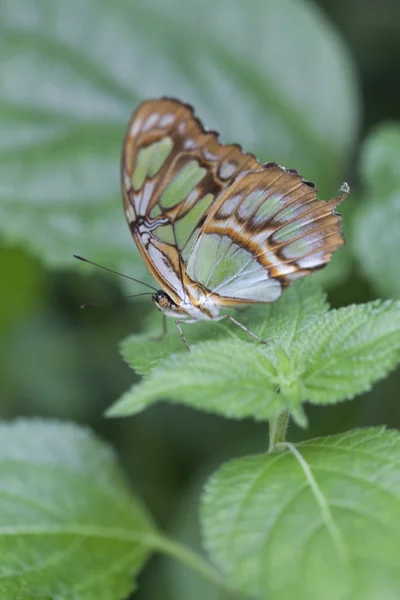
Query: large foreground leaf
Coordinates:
[273,76]
[320,520]
[69,526]
[312,354]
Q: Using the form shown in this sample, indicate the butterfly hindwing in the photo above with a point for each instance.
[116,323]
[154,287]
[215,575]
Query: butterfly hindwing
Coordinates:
[265,231]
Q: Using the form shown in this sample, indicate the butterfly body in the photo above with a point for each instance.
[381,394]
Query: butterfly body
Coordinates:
[196,308]
[215,227]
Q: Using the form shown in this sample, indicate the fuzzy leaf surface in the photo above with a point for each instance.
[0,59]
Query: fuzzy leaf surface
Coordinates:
[318,520]
[69,526]
[313,354]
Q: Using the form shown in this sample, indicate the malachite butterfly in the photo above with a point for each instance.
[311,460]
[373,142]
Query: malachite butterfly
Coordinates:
[216,228]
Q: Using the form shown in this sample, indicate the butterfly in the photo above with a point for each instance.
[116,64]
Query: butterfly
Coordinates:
[216,228]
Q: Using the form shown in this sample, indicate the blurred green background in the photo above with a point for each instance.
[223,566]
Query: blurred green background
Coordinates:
[312,85]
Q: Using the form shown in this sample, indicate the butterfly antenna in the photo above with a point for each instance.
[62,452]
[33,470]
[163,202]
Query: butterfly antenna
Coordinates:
[84,306]
[114,272]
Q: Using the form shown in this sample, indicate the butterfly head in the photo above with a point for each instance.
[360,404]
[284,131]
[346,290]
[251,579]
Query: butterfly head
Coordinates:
[164,303]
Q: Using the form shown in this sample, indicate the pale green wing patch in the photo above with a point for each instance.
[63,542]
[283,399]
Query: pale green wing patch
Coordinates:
[267,209]
[182,194]
[165,233]
[211,262]
[155,211]
[150,160]
[229,270]
[182,184]
[186,227]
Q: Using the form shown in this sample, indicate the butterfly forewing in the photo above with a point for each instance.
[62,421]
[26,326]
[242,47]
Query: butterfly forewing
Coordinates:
[172,172]
[205,214]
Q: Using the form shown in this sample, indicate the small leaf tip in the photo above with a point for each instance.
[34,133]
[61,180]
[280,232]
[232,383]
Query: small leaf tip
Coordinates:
[112,412]
[300,417]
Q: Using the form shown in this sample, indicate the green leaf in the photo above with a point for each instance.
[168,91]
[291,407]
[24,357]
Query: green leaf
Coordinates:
[319,520]
[73,71]
[206,378]
[144,352]
[376,231]
[349,349]
[69,525]
[312,354]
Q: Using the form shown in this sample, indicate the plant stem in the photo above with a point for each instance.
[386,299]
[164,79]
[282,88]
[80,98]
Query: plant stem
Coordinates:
[192,560]
[277,430]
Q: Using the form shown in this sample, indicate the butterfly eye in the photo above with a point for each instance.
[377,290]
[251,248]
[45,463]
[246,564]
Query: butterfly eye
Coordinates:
[162,300]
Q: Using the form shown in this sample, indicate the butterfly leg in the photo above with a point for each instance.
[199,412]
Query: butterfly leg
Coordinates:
[163,333]
[177,323]
[253,335]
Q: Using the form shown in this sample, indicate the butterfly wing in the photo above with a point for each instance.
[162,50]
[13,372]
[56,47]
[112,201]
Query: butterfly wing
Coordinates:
[266,230]
[172,172]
